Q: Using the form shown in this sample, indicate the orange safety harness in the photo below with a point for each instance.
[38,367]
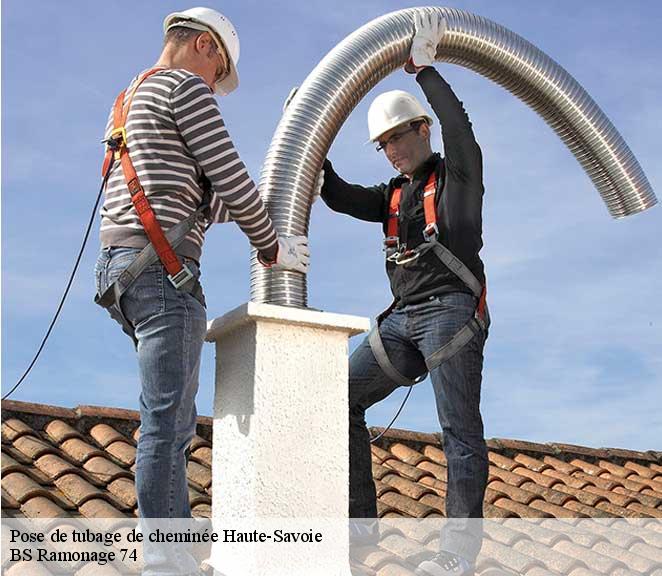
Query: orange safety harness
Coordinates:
[398,253]
[178,273]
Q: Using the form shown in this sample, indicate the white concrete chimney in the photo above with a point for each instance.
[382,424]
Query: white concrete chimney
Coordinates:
[280,447]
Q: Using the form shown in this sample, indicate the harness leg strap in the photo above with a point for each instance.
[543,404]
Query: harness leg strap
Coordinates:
[456,343]
[378,350]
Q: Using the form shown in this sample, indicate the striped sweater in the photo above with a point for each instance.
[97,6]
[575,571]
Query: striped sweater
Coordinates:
[175,132]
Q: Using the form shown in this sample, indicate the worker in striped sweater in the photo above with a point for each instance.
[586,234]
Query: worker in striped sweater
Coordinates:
[171,160]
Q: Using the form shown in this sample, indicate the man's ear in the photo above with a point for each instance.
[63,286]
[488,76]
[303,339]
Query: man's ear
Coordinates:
[202,42]
[425,130]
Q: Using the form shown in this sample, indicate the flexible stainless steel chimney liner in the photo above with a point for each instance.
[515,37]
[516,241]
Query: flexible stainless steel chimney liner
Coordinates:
[359,62]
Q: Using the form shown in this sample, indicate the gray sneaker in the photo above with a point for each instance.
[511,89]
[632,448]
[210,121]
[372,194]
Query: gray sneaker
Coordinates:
[445,564]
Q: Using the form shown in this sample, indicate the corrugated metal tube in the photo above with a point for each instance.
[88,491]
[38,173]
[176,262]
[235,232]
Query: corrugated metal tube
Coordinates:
[359,62]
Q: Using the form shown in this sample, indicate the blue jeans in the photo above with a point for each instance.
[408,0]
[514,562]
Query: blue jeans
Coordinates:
[410,334]
[170,326]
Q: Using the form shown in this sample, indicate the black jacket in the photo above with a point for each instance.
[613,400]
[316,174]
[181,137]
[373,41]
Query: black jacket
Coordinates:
[459,201]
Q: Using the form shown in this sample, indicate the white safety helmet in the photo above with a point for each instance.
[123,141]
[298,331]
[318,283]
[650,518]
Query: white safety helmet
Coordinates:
[392,109]
[208,20]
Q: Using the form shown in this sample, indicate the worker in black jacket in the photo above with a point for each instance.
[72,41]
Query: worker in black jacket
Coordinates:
[438,320]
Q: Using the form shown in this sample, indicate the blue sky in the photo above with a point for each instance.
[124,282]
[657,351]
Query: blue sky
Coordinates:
[574,349]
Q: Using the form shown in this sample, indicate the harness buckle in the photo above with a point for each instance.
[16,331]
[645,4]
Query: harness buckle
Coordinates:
[181,278]
[116,141]
[406,256]
[430,232]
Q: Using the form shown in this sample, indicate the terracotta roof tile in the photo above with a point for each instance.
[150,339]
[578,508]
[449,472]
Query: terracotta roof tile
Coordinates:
[512,492]
[509,557]
[588,557]
[199,474]
[656,468]
[554,510]
[196,497]
[503,533]
[502,461]
[14,428]
[10,465]
[522,510]
[537,477]
[34,447]
[379,471]
[435,454]
[43,507]
[124,452]
[79,490]
[406,470]
[553,559]
[53,466]
[646,550]
[104,470]
[652,483]
[405,549]
[407,487]
[371,556]
[507,477]
[438,486]
[379,454]
[587,510]
[645,499]
[532,463]
[201,510]
[615,469]
[584,496]
[383,488]
[492,495]
[98,508]
[549,494]
[21,487]
[631,559]
[587,467]
[439,472]
[198,442]
[60,431]
[616,510]
[629,483]
[405,504]
[406,454]
[202,455]
[645,510]
[492,511]
[560,465]
[104,435]
[597,481]
[9,502]
[79,450]
[434,501]
[125,491]
[614,497]
[568,480]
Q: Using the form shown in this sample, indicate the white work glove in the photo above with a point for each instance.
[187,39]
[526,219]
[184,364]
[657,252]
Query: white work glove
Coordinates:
[428,31]
[317,189]
[293,254]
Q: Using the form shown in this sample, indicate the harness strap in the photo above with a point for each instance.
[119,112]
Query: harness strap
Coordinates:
[480,321]
[147,257]
[379,352]
[178,274]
